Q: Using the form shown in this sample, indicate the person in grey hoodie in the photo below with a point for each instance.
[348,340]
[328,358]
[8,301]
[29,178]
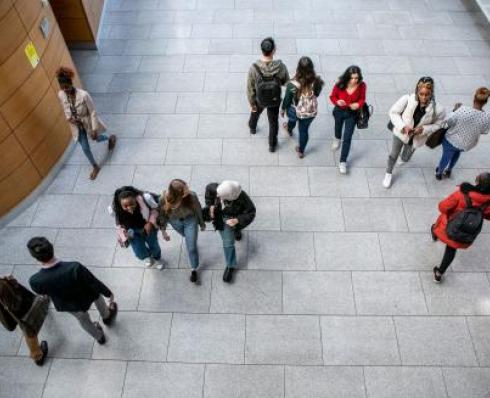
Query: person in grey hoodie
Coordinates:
[265,78]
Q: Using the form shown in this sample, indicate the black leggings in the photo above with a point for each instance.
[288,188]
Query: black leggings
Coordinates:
[447,259]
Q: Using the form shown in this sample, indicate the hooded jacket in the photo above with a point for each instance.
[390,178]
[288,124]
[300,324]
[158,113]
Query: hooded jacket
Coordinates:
[272,68]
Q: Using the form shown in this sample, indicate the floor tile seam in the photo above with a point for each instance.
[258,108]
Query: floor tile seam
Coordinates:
[124,379]
[400,358]
[321,340]
[43,390]
[356,311]
[421,282]
[140,290]
[366,395]
[445,382]
[205,367]
[473,346]
[169,341]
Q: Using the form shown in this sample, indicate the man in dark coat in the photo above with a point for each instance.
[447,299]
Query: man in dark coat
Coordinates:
[71,287]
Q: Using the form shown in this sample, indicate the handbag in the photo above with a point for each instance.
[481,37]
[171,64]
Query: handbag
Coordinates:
[33,320]
[363,115]
[435,139]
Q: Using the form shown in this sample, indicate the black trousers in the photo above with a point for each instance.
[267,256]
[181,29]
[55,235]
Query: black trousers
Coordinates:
[273,116]
[447,259]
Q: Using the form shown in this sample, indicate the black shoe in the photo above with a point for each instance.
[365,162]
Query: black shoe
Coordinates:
[228,274]
[438,177]
[102,340]
[272,148]
[44,349]
[253,131]
[447,174]
[437,275]
[112,314]
[238,234]
[432,234]
[193,277]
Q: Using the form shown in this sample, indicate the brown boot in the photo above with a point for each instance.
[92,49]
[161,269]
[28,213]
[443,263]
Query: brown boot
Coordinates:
[112,142]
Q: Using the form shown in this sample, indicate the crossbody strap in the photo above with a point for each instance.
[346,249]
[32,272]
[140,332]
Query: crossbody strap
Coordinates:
[467,200]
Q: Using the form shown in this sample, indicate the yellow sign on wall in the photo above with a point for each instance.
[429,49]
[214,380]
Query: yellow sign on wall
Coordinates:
[31,53]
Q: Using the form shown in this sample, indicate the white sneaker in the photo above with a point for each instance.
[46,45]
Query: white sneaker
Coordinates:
[160,264]
[335,144]
[343,168]
[148,262]
[400,162]
[387,180]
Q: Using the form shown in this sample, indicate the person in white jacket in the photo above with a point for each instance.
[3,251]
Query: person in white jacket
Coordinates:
[80,113]
[413,118]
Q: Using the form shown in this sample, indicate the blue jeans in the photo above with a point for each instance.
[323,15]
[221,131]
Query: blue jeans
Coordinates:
[145,246]
[228,237]
[450,156]
[83,140]
[188,229]
[347,117]
[303,127]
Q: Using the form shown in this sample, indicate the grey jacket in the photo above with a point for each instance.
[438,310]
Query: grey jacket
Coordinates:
[272,68]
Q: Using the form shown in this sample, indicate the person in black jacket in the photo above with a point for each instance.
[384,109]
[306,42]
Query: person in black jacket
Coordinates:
[71,287]
[15,303]
[230,209]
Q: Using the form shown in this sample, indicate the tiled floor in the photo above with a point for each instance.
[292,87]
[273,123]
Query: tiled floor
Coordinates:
[334,297]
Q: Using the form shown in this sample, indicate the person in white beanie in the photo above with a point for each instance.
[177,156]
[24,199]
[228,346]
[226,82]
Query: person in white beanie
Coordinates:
[230,209]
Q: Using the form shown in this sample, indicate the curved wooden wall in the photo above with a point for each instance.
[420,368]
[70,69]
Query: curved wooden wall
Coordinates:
[33,131]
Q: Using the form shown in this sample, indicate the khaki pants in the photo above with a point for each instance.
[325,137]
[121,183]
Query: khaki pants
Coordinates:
[34,347]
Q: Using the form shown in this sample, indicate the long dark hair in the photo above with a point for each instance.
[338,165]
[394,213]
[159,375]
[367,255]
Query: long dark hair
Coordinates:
[344,79]
[122,193]
[306,76]
[483,185]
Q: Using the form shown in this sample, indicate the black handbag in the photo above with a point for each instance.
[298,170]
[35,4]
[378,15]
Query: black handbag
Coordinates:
[435,139]
[363,115]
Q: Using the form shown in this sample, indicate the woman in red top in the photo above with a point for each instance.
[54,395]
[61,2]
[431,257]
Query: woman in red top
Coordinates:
[453,204]
[348,95]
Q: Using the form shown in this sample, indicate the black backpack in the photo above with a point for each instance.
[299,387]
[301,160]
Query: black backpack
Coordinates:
[465,226]
[268,90]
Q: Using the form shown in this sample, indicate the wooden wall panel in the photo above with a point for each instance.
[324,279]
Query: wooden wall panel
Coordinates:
[28,11]
[5,6]
[18,185]
[5,130]
[76,30]
[54,52]
[13,156]
[13,33]
[93,10]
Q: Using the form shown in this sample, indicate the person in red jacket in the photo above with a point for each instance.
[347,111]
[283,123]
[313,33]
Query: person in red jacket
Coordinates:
[348,95]
[453,204]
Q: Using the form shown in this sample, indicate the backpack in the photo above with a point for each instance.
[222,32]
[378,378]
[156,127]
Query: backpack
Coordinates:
[268,90]
[465,226]
[307,105]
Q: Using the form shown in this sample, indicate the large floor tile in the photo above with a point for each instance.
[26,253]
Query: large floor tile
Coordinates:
[283,339]
[359,341]
[421,213]
[58,211]
[327,181]
[108,180]
[467,382]
[479,334]
[202,175]
[267,217]
[194,151]
[279,181]
[13,244]
[21,378]
[164,126]
[157,178]
[207,338]
[407,184]
[141,151]
[417,337]
[246,152]
[235,381]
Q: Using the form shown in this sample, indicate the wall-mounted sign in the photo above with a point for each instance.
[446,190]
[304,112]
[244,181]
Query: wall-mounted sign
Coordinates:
[44,26]
[31,53]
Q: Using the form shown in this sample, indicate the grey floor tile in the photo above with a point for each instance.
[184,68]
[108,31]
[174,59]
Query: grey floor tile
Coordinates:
[177,31]
[252,30]
[281,251]
[84,378]
[152,103]
[229,82]
[117,64]
[187,46]
[216,30]
[317,153]
[324,381]
[416,340]
[136,336]
[467,382]
[479,334]
[102,218]
[348,251]
[200,103]
[167,379]
[9,341]
[126,125]
[359,341]
[194,151]
[24,219]
[373,214]
[253,292]
[230,46]
[476,258]
[12,244]
[421,213]
[234,381]
[57,211]
[171,291]
[109,103]
[156,178]
[20,377]
[129,82]
[162,63]
[108,180]
[460,294]
[85,237]
[140,151]
[204,63]
[180,82]
[203,175]
[248,152]
[129,32]
[268,214]
[278,181]
[283,339]
[327,181]
[318,214]
[318,293]
[386,382]
[223,126]
[65,180]
[406,184]
[388,293]
[147,47]
[207,338]
[164,126]
[97,83]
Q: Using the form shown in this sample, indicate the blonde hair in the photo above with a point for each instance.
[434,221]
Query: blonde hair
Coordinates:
[177,195]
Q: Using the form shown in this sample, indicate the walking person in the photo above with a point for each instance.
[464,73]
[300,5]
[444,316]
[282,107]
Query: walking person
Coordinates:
[18,306]
[80,112]
[456,229]
[72,288]
[348,96]
[136,215]
[180,207]
[465,125]
[265,78]
[231,210]
[413,118]
[300,101]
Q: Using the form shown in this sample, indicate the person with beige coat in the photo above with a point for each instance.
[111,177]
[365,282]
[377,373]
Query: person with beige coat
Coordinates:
[80,112]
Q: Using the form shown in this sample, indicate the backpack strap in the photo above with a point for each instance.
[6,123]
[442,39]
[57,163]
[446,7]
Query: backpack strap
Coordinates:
[467,199]
[257,68]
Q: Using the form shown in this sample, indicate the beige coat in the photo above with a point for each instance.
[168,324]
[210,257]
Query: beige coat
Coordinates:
[401,115]
[85,110]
